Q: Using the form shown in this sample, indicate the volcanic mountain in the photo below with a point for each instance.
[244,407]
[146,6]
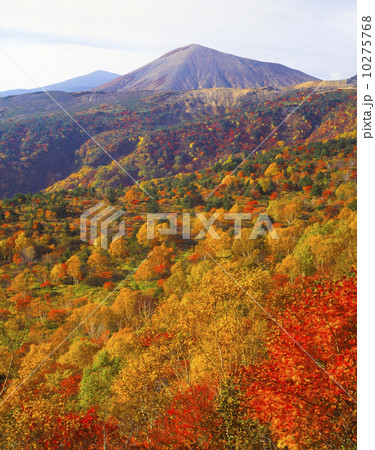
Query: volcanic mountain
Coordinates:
[198,67]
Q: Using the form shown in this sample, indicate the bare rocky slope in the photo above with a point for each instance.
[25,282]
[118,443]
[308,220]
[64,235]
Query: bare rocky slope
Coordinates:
[198,67]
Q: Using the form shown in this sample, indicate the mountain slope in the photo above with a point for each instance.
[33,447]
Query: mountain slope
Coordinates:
[199,102]
[198,67]
[76,84]
[181,132]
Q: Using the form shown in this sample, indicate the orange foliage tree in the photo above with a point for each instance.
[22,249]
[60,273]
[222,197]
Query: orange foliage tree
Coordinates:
[294,394]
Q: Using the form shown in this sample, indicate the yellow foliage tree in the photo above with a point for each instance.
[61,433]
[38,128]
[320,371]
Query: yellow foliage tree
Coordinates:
[154,267]
[117,248]
[74,268]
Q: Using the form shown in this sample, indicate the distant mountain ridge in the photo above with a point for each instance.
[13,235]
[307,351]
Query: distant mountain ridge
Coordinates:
[197,67]
[76,84]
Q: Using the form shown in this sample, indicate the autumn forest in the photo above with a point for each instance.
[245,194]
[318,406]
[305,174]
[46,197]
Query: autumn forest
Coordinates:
[175,343]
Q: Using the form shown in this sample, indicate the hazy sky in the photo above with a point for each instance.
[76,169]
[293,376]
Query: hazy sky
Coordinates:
[54,40]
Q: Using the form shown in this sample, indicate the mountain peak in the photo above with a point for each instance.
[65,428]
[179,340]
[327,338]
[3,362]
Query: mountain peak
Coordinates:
[197,67]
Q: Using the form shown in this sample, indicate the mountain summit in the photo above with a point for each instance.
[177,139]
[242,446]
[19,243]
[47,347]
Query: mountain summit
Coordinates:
[198,67]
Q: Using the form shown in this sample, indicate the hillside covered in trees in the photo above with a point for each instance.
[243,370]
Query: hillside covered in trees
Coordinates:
[176,343]
[154,135]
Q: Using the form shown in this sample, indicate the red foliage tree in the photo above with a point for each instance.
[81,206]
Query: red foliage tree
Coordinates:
[73,430]
[294,394]
[190,422]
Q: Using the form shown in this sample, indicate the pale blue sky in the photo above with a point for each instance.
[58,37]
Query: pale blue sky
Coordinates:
[56,40]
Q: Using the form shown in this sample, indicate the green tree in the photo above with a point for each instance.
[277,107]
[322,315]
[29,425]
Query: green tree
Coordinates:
[97,380]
